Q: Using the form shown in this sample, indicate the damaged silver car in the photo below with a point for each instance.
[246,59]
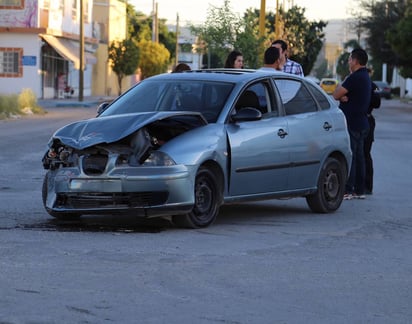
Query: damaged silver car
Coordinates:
[180,145]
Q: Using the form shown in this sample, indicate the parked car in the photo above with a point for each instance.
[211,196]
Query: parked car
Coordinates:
[384,89]
[329,85]
[183,144]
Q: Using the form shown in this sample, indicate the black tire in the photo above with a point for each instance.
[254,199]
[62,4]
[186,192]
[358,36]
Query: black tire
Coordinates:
[44,191]
[331,187]
[207,202]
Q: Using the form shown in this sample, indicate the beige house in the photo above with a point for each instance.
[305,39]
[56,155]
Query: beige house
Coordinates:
[109,17]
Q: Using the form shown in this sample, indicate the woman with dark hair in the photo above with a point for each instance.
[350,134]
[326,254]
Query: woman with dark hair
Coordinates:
[234,60]
[181,67]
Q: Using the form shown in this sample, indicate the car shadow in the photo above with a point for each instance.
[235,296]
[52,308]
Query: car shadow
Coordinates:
[102,223]
[262,212]
[272,212]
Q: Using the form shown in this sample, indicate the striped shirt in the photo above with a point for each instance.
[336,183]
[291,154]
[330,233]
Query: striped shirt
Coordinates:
[293,67]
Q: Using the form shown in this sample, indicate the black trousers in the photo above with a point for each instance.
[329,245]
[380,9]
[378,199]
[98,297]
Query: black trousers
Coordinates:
[368,156]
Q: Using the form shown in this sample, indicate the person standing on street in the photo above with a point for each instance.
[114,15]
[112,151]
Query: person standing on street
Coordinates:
[374,104]
[234,60]
[289,66]
[272,60]
[354,94]
[181,67]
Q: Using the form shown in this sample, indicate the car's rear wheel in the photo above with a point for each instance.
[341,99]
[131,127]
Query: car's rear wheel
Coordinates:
[331,187]
[63,216]
[207,202]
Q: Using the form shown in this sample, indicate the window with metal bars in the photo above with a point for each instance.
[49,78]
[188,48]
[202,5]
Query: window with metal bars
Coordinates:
[10,62]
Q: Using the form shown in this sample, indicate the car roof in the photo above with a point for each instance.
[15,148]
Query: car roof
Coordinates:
[224,75]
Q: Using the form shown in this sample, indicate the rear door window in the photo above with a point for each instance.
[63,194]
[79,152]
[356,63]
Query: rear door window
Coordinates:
[295,97]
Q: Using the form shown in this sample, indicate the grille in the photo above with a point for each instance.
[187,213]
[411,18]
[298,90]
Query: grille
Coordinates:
[111,200]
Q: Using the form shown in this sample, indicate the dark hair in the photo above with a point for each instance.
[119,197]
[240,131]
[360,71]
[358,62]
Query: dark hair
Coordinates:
[360,55]
[231,58]
[272,54]
[181,67]
[282,43]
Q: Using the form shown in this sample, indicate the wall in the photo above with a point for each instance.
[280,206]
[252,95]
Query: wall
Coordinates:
[31,77]
[25,18]
[110,16]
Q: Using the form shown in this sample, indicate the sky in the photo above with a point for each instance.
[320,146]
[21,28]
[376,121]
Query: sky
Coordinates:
[195,11]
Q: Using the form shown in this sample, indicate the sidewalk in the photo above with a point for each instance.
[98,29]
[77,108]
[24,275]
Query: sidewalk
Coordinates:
[91,101]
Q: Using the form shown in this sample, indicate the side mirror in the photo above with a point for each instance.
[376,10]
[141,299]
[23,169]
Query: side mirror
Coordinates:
[102,107]
[247,114]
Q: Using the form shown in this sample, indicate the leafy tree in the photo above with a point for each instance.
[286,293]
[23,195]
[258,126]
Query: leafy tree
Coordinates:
[137,24]
[167,38]
[399,37]
[219,32]
[124,59]
[380,17]
[248,40]
[305,38]
[140,27]
[154,58]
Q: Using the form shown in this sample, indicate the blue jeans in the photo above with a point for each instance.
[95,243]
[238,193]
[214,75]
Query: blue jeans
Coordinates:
[356,181]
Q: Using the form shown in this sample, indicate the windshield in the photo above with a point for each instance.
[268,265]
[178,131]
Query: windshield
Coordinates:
[173,95]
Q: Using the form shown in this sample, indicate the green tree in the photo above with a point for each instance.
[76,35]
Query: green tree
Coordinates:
[124,59]
[154,58]
[399,37]
[219,32]
[140,27]
[305,38]
[248,40]
[379,18]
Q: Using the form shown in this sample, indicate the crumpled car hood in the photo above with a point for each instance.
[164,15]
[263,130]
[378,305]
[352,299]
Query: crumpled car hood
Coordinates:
[86,133]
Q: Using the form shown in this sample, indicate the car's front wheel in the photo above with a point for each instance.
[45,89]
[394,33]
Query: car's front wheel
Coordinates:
[207,202]
[45,190]
[331,187]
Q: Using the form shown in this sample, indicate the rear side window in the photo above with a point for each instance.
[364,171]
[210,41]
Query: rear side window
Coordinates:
[295,97]
[320,97]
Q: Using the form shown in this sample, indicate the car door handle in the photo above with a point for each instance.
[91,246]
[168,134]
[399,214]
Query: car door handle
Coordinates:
[327,126]
[282,133]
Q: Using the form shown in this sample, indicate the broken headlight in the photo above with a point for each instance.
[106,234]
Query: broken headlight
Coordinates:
[157,158]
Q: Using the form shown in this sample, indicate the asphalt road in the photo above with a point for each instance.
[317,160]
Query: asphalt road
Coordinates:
[265,262]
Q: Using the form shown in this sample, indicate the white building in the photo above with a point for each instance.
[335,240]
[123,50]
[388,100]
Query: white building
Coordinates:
[186,49]
[39,47]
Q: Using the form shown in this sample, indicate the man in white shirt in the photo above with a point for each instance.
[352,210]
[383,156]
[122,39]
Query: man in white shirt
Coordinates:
[272,59]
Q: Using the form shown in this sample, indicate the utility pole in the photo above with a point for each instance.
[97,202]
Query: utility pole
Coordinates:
[157,23]
[153,22]
[177,40]
[277,21]
[81,53]
[262,18]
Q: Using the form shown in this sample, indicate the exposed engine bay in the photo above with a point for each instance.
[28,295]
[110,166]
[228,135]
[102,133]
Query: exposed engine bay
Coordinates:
[131,150]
